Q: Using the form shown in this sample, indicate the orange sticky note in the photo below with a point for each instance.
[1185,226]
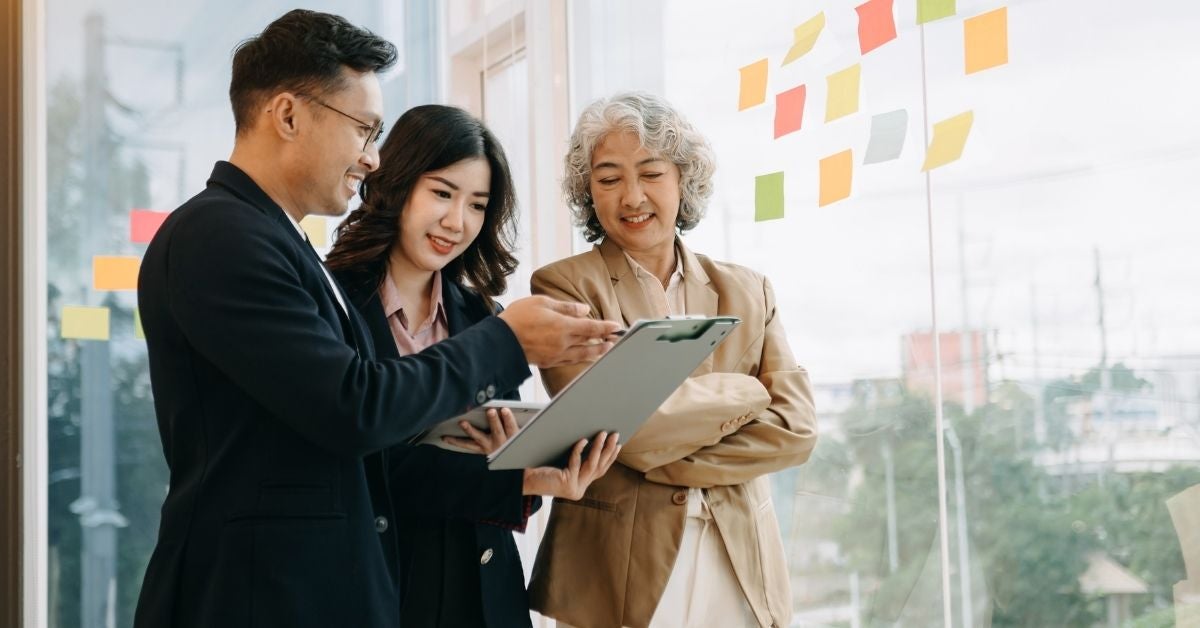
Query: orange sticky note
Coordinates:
[876,26]
[144,223]
[949,138]
[836,171]
[789,111]
[84,323]
[841,92]
[754,85]
[317,229]
[985,40]
[115,272]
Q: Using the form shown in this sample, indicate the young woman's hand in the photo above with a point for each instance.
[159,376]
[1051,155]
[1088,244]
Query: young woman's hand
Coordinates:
[571,482]
[501,427]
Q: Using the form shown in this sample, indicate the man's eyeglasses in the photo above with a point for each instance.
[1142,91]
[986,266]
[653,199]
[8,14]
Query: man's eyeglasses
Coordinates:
[374,131]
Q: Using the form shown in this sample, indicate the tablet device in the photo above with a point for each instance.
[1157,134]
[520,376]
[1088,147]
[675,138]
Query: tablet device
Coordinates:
[618,392]
[522,411]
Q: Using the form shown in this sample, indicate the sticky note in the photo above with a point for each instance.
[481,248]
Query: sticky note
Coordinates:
[804,37]
[789,111]
[841,92]
[317,228]
[144,223]
[836,171]
[887,136]
[949,138]
[754,85]
[768,197]
[930,10]
[985,40]
[876,26]
[115,272]
[84,323]
[138,332]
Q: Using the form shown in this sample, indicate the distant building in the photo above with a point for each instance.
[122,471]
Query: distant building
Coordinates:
[963,361]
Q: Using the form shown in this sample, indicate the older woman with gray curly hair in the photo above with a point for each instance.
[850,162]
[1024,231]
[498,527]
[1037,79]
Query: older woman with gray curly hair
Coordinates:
[681,531]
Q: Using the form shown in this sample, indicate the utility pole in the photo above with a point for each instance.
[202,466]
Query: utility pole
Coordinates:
[97,507]
[1106,398]
[966,340]
[889,478]
[1039,393]
[964,556]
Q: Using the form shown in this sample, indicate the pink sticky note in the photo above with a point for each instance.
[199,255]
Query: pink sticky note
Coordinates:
[144,223]
[789,111]
[875,24]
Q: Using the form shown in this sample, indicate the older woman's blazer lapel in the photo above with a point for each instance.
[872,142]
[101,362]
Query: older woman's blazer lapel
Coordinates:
[698,294]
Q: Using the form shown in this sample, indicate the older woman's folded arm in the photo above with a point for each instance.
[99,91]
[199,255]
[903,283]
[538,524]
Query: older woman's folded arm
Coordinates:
[783,435]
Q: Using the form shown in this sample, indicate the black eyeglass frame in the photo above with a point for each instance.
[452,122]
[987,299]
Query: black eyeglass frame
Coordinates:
[375,130]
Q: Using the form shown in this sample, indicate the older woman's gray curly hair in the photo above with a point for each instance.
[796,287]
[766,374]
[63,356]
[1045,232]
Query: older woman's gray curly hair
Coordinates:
[663,131]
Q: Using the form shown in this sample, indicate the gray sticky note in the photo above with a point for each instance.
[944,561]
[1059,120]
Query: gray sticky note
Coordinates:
[887,136]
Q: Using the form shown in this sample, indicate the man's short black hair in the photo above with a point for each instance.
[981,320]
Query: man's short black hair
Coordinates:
[302,51]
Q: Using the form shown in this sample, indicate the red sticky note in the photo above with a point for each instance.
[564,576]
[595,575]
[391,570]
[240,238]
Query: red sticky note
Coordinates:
[144,223]
[875,24]
[789,111]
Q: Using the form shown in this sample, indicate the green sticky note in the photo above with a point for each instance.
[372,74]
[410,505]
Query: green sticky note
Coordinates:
[930,10]
[768,197]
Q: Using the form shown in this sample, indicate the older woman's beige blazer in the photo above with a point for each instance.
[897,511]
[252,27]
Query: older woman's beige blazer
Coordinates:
[745,412]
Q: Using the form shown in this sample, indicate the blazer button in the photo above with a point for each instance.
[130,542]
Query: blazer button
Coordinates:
[491,391]
[487,556]
[480,397]
[381,524]
[679,498]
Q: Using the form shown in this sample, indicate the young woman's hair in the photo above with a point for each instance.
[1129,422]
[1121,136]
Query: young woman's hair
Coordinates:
[662,130]
[425,139]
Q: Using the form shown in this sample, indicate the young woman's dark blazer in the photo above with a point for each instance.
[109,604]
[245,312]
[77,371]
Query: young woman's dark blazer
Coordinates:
[457,551]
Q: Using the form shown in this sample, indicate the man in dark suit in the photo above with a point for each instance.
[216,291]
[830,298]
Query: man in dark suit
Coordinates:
[270,402]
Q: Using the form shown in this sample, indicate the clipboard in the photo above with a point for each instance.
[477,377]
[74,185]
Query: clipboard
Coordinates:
[523,412]
[618,392]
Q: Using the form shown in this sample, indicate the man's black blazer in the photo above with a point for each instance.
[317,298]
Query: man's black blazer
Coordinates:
[271,408]
[458,557]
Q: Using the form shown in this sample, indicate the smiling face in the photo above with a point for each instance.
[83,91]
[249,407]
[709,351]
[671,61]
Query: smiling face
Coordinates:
[334,161]
[443,215]
[635,194]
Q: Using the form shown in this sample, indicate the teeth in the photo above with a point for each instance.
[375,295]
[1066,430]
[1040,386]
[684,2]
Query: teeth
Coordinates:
[441,242]
[642,218]
[353,182]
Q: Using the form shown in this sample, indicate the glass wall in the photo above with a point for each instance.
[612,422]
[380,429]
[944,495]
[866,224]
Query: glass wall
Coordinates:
[137,112]
[1051,258]
[1029,293]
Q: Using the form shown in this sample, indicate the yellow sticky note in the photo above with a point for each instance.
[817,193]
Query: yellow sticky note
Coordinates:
[949,138]
[841,92]
[317,229]
[84,323]
[836,171]
[138,332]
[804,37]
[754,85]
[115,272]
[985,40]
